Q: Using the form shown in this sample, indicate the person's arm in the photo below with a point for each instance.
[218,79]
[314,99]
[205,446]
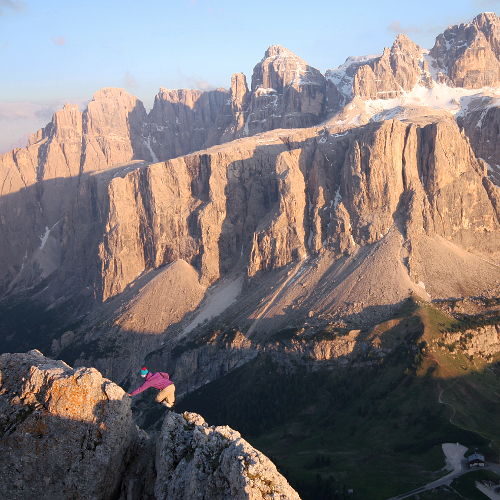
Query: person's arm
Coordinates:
[142,388]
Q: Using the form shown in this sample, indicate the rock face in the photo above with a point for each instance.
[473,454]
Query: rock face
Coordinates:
[68,433]
[286,92]
[481,123]
[483,341]
[182,121]
[468,55]
[398,69]
[64,432]
[277,205]
[195,460]
[87,221]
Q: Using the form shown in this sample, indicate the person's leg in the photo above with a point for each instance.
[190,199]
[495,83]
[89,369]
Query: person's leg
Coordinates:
[170,395]
[167,396]
[161,395]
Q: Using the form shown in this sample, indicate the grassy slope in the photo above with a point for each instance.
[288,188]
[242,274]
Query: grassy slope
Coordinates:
[377,430]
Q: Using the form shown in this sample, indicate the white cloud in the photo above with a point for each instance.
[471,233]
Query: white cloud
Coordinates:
[12,5]
[397,27]
[483,4]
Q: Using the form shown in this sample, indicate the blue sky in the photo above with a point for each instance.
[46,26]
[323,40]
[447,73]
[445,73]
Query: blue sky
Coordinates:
[63,51]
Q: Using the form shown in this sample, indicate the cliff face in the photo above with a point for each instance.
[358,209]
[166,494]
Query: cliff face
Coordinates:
[467,55]
[68,433]
[274,206]
[481,123]
[103,211]
[182,121]
[64,432]
[195,460]
[286,92]
[398,69]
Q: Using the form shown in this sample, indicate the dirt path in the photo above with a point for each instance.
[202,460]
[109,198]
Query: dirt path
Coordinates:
[440,400]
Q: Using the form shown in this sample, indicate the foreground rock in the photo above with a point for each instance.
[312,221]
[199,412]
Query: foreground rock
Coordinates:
[69,434]
[63,432]
[195,460]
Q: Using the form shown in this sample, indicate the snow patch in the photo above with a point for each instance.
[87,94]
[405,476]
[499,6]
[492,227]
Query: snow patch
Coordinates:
[343,75]
[337,199]
[147,142]
[44,237]
[455,100]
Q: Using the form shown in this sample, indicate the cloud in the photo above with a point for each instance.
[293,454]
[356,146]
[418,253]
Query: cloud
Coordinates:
[6,5]
[130,81]
[483,4]
[25,110]
[201,84]
[397,27]
[20,119]
[193,81]
[59,40]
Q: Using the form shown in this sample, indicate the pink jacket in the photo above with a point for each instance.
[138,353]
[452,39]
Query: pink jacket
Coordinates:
[158,380]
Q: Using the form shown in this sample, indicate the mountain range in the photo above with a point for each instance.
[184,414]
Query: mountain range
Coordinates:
[229,223]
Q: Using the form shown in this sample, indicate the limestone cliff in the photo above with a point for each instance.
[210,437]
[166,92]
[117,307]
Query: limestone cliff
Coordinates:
[63,432]
[468,55]
[195,460]
[481,123]
[68,433]
[286,92]
[103,211]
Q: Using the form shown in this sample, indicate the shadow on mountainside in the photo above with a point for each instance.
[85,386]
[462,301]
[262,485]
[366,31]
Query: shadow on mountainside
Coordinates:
[377,430]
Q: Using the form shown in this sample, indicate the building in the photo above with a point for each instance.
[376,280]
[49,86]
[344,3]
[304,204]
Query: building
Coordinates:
[475,460]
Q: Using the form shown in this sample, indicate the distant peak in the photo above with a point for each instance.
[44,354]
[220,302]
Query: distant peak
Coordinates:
[278,50]
[403,40]
[110,93]
[487,15]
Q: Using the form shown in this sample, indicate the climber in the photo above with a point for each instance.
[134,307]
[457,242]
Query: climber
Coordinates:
[161,381]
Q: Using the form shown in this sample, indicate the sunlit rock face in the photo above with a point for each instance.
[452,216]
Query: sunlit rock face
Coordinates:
[468,54]
[63,432]
[195,460]
[67,433]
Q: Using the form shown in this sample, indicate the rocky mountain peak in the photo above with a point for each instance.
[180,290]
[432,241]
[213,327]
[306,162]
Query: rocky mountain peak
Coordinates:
[111,93]
[280,67]
[279,51]
[489,24]
[398,69]
[468,54]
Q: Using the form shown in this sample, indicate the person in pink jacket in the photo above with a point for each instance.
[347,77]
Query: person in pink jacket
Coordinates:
[161,381]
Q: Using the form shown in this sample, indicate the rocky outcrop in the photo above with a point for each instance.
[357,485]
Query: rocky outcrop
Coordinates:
[286,92]
[64,433]
[468,55]
[68,433]
[195,460]
[483,341]
[481,123]
[183,121]
[397,70]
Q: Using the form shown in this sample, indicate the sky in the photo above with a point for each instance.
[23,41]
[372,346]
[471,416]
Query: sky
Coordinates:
[58,51]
